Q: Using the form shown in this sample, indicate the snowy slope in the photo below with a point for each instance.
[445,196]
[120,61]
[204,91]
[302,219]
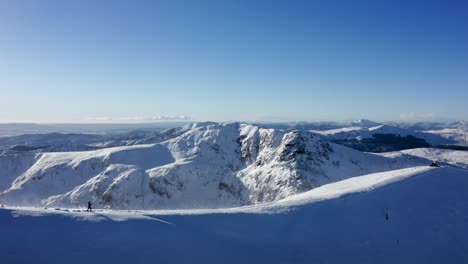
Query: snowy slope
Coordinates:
[18,129]
[343,222]
[207,166]
[356,132]
[365,123]
[66,142]
[50,142]
[11,166]
[433,133]
[454,157]
[455,135]
[455,132]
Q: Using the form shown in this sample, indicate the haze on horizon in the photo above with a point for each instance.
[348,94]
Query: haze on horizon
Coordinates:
[140,61]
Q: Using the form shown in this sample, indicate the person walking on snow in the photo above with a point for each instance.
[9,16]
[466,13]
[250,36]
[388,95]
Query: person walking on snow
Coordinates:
[89,207]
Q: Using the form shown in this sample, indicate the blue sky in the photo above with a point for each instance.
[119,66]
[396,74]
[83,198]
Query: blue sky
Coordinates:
[73,61]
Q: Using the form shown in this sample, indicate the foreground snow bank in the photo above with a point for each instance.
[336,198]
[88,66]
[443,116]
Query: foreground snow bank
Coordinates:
[343,222]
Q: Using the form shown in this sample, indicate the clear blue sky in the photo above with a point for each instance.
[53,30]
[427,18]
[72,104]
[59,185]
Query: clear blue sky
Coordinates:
[233,60]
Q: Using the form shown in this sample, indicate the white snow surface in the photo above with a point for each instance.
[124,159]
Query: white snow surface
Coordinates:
[459,135]
[361,132]
[454,157]
[208,166]
[413,215]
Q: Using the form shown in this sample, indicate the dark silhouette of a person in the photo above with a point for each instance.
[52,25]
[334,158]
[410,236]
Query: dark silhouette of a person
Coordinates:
[89,207]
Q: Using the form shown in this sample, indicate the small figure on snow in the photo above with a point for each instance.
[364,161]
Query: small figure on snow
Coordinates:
[386,215]
[89,207]
[434,164]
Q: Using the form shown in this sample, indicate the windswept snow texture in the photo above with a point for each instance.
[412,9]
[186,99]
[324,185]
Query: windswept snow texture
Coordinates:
[415,215]
[202,166]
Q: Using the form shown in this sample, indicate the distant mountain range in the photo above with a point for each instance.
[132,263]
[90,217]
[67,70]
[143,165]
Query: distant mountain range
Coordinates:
[357,134]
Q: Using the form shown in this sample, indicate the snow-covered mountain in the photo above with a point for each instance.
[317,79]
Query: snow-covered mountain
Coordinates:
[455,135]
[363,132]
[364,123]
[18,129]
[204,166]
[447,156]
[50,142]
[62,141]
[66,142]
[446,133]
[455,132]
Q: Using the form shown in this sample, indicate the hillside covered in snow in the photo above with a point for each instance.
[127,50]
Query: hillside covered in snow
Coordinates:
[444,156]
[366,135]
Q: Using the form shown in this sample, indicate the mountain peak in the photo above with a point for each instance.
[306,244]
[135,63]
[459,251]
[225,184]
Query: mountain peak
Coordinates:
[365,123]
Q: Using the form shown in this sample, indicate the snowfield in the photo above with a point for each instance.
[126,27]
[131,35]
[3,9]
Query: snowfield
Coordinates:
[454,157]
[413,215]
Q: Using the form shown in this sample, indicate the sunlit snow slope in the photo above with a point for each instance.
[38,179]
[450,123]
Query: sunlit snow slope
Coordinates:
[444,156]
